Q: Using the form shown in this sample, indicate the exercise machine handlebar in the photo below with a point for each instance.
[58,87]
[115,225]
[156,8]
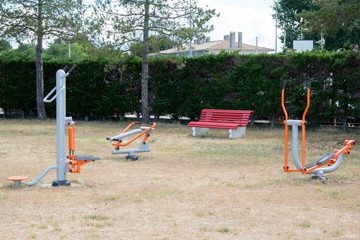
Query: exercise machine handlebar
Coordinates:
[309,84]
[285,122]
[46,99]
[138,122]
[307,100]
[283,101]
[117,140]
[71,69]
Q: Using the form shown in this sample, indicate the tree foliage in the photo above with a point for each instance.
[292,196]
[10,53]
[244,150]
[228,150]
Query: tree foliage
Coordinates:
[5,45]
[38,20]
[287,14]
[24,51]
[156,44]
[136,21]
[182,87]
[60,52]
[338,20]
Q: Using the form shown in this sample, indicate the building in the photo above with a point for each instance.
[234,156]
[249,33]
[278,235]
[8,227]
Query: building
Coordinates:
[228,44]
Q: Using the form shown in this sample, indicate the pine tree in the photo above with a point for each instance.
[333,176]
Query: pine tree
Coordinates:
[136,21]
[38,20]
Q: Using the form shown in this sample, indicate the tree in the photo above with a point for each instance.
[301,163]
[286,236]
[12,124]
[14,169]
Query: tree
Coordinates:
[136,21]
[81,47]
[61,52]
[24,51]
[289,22]
[156,44]
[5,45]
[338,20]
[40,20]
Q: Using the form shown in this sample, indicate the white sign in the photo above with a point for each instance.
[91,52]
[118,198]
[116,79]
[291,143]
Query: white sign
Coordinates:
[303,45]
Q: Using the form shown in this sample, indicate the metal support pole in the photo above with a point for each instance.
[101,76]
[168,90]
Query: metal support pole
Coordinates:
[60,129]
[256,48]
[322,41]
[69,50]
[276,23]
[190,50]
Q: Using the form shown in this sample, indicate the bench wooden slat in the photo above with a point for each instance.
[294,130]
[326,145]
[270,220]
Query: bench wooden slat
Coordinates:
[224,119]
[213,125]
[221,119]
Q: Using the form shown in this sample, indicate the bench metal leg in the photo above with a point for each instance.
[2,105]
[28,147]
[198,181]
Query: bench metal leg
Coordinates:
[200,131]
[238,133]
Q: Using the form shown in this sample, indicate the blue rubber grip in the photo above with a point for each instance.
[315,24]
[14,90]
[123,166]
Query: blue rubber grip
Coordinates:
[72,68]
[284,84]
[309,86]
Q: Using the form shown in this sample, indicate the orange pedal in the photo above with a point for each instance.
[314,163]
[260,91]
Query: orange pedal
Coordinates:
[17,179]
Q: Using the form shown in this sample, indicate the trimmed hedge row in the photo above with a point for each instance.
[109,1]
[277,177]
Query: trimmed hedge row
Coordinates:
[182,87]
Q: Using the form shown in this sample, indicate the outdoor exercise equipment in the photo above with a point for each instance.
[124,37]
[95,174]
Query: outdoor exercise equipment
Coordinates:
[62,164]
[117,140]
[318,168]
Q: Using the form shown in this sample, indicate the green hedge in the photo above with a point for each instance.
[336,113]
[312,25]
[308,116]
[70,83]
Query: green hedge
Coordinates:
[184,86]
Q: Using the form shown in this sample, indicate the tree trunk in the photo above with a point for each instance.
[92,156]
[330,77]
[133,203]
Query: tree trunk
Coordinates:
[39,69]
[156,117]
[144,89]
[252,120]
[145,70]
[137,116]
[345,125]
[272,122]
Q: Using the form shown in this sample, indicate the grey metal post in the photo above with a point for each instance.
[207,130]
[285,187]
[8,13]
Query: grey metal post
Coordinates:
[276,24]
[61,120]
[295,124]
[69,50]
[190,50]
[60,129]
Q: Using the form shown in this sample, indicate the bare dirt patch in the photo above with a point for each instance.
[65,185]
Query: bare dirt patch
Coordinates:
[185,188]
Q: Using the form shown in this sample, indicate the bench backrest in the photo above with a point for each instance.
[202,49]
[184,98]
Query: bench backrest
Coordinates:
[226,116]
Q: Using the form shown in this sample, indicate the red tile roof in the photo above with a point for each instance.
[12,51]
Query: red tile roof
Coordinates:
[217,46]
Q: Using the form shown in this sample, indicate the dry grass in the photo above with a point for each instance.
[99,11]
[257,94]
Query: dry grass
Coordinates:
[185,188]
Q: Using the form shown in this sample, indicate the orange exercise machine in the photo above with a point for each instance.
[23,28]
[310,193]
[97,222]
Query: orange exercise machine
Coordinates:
[117,140]
[75,161]
[318,168]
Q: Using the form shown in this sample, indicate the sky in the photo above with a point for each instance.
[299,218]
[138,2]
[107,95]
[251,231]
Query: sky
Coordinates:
[251,17]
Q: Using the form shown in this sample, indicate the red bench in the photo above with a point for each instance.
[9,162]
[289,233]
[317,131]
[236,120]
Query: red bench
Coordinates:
[234,120]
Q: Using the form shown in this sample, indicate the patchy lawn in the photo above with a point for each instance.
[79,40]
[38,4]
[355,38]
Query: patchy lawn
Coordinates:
[185,188]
